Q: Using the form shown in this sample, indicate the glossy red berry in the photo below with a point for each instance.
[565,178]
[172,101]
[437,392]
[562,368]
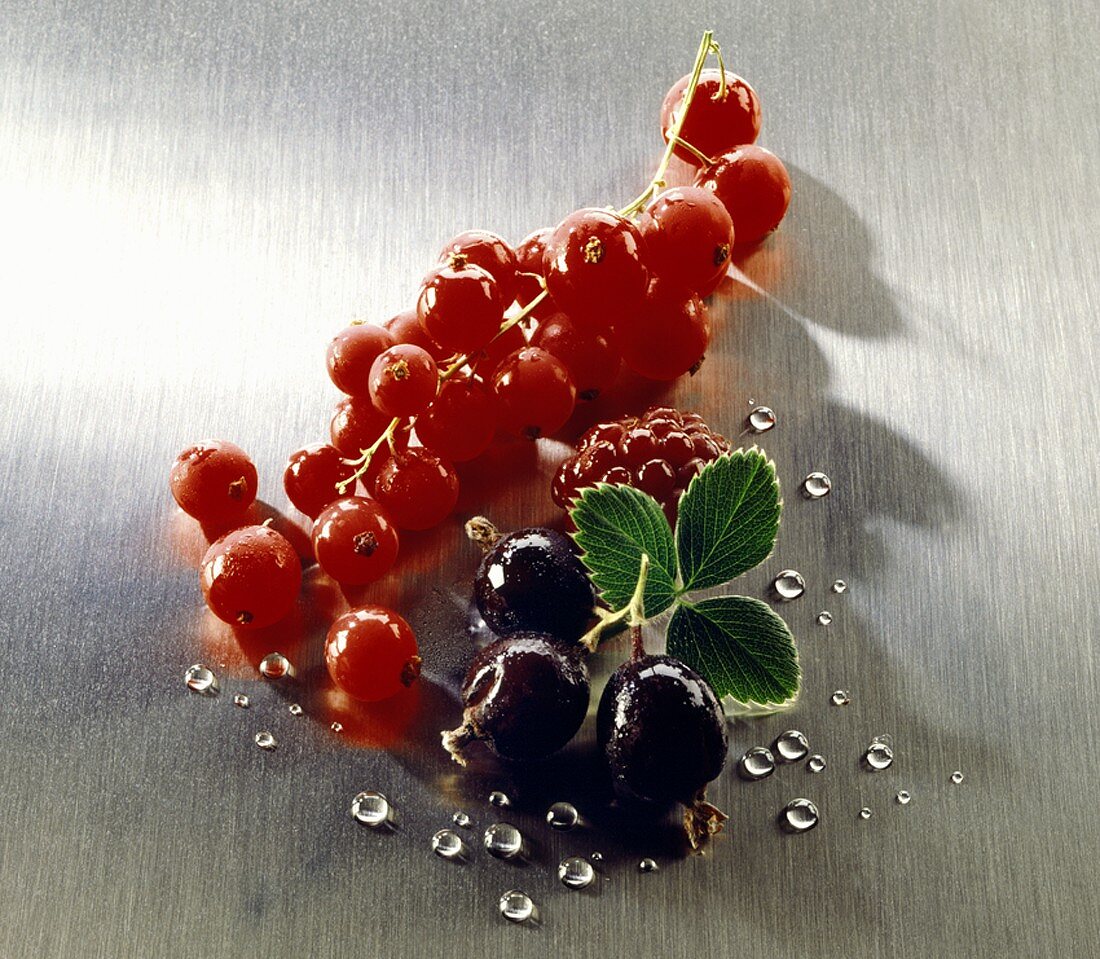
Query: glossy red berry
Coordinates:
[460,423]
[460,307]
[356,424]
[417,488]
[688,238]
[311,477]
[406,328]
[592,361]
[594,266]
[213,481]
[371,653]
[251,577]
[530,262]
[535,392]
[488,251]
[354,540]
[714,124]
[754,187]
[667,337]
[403,380]
[351,353]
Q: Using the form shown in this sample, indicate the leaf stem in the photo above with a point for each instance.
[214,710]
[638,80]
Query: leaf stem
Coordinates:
[633,612]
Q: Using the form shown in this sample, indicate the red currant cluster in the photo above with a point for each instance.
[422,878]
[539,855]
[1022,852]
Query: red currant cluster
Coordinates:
[659,452]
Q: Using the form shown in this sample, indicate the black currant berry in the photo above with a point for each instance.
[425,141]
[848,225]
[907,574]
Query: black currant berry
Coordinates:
[526,695]
[531,580]
[663,732]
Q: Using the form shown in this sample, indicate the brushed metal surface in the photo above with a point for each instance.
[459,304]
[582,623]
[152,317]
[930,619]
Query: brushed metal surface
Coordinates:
[194,196]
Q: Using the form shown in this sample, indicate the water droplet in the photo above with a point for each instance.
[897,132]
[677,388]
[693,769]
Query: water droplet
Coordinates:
[879,755]
[757,763]
[865,812]
[497,798]
[816,485]
[840,586]
[265,740]
[576,872]
[841,697]
[562,815]
[461,819]
[295,709]
[824,618]
[903,798]
[752,402]
[516,906]
[201,679]
[799,815]
[337,727]
[596,857]
[816,763]
[788,585]
[761,419]
[791,746]
[647,865]
[503,840]
[371,808]
[241,700]
[957,777]
[276,666]
[448,844]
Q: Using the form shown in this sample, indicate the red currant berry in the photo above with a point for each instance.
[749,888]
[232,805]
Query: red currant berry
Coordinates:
[371,653]
[406,328]
[535,392]
[403,380]
[251,577]
[355,425]
[688,238]
[351,353]
[311,476]
[488,251]
[714,124]
[354,541]
[214,481]
[594,267]
[667,337]
[592,362]
[501,346]
[460,307]
[754,187]
[417,488]
[530,261]
[460,423]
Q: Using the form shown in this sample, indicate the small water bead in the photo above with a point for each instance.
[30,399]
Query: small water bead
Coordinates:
[201,679]
[816,485]
[757,763]
[841,697]
[516,906]
[957,777]
[497,798]
[503,840]
[840,586]
[816,763]
[576,872]
[647,865]
[799,815]
[761,419]
[824,618]
[295,709]
[447,844]
[865,812]
[241,700]
[791,746]
[903,798]
[596,857]
[461,819]
[275,666]
[879,755]
[562,815]
[371,808]
[265,740]
[337,727]
[789,584]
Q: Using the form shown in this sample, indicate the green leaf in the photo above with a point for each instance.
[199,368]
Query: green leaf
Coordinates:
[729,518]
[740,646]
[615,525]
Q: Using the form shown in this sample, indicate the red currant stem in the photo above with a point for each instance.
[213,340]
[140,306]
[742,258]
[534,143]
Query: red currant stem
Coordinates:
[504,328]
[694,151]
[363,463]
[633,612]
[658,181]
[722,89]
